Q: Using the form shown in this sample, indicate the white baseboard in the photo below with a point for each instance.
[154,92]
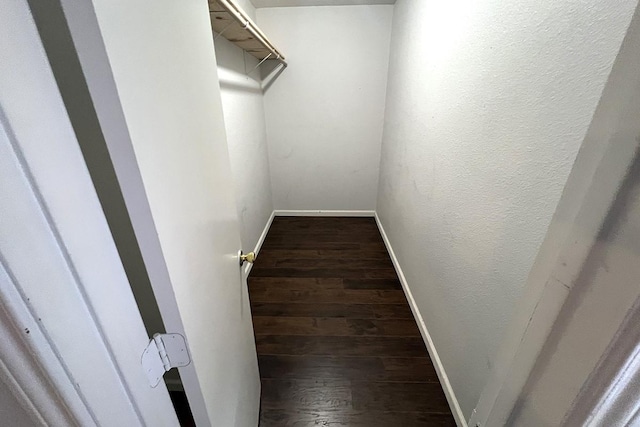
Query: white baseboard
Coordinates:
[324,213]
[260,241]
[442,375]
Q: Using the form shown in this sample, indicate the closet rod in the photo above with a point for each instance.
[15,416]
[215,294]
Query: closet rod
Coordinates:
[239,16]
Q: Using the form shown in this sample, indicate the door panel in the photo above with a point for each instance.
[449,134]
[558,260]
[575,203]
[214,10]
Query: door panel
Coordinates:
[62,281]
[174,173]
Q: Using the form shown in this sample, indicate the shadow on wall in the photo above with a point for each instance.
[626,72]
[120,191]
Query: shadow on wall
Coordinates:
[239,87]
[268,78]
[616,245]
[239,71]
[270,72]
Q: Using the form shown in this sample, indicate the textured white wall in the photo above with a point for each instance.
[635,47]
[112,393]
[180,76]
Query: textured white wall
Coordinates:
[604,285]
[600,299]
[487,105]
[244,121]
[324,113]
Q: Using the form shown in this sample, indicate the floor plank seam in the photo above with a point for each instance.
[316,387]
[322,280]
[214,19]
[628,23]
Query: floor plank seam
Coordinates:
[337,341]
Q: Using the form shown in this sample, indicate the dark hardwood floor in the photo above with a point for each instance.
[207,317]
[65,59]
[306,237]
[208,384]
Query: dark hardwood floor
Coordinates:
[337,343]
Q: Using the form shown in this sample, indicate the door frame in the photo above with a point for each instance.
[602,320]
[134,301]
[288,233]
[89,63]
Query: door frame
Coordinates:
[31,369]
[62,284]
[606,155]
[74,46]
[60,343]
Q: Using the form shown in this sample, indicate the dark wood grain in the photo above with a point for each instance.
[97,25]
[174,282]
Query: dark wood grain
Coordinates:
[321,237]
[274,255]
[394,369]
[350,263]
[307,394]
[333,326]
[388,396]
[393,283]
[337,342]
[310,243]
[356,311]
[329,295]
[264,284]
[346,418]
[340,346]
[345,272]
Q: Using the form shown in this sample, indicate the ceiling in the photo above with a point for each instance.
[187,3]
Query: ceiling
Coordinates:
[288,3]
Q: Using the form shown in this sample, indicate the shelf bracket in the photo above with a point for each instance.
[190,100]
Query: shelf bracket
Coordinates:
[259,64]
[215,36]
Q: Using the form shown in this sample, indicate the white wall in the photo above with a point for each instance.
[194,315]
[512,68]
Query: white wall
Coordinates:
[248,7]
[324,112]
[588,343]
[244,121]
[600,166]
[601,298]
[487,105]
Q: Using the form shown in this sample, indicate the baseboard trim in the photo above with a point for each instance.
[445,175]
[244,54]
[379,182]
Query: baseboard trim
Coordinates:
[260,241]
[433,353]
[324,213]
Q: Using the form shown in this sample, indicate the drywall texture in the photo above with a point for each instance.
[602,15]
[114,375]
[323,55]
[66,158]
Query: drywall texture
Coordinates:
[606,290]
[605,154]
[589,341]
[487,105]
[247,139]
[324,112]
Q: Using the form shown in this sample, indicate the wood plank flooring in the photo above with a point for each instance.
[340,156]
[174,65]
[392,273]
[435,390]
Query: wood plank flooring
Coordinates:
[337,343]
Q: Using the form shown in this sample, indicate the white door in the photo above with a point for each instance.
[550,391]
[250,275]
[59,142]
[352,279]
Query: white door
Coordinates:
[151,73]
[71,334]
[151,70]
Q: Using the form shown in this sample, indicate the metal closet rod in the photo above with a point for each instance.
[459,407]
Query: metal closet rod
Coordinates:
[239,15]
